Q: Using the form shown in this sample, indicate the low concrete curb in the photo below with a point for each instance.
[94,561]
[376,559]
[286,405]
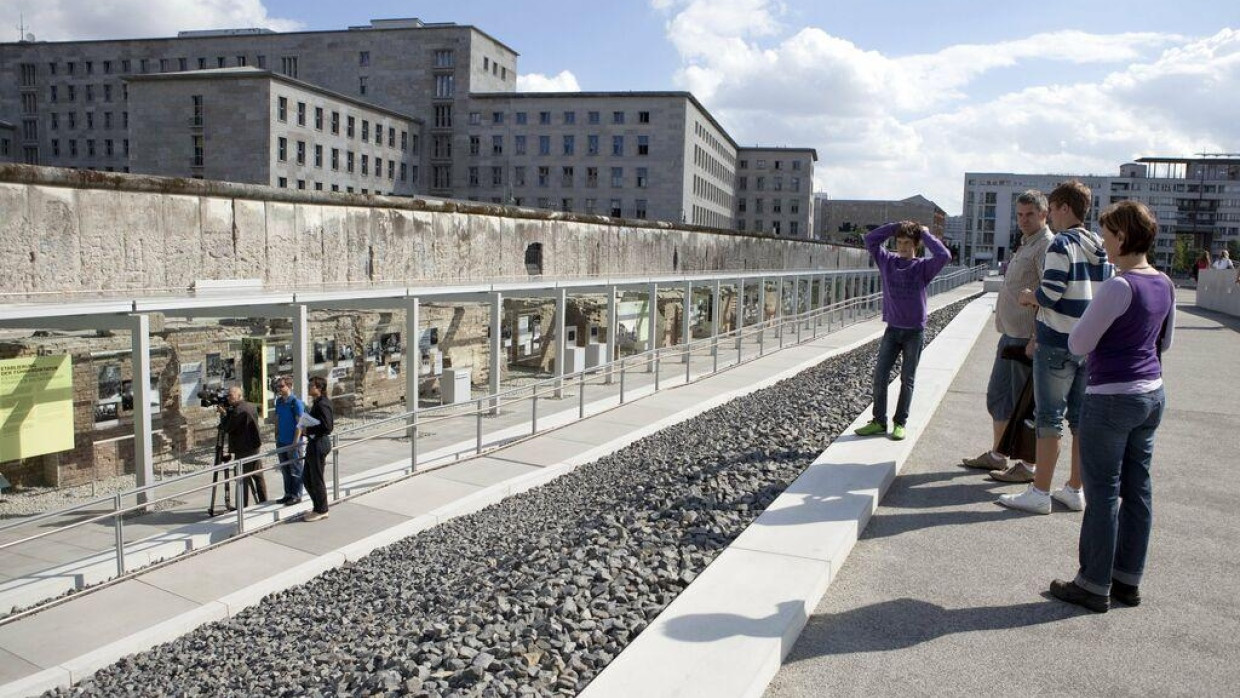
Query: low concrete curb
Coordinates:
[728,632]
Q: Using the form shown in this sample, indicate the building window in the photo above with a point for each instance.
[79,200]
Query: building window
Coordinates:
[444,86]
[617,145]
[592,144]
[182,65]
[197,104]
[796,182]
[28,103]
[301,113]
[262,61]
[202,64]
[73,149]
[544,145]
[521,118]
[404,141]
[318,118]
[348,161]
[392,137]
[569,145]
[794,206]
[544,176]
[55,147]
[335,123]
[742,183]
[566,176]
[90,93]
[71,92]
[28,74]
[475,145]
[617,117]
[282,149]
[777,205]
[642,178]
[793,228]
[441,146]
[350,124]
[365,130]
[363,58]
[90,147]
[497,176]
[362,81]
[288,66]
[220,62]
[617,177]
[282,182]
[52,97]
[336,159]
[107,93]
[55,121]
[544,118]
[318,156]
[404,172]
[443,58]
[570,117]
[442,175]
[443,116]
[796,165]
[282,108]
[518,176]
[473,176]
[591,177]
[165,65]
[566,205]
[643,117]
[301,152]
[365,164]
[639,208]
[497,145]
[741,206]
[51,69]
[643,145]
[592,117]
[615,208]
[72,119]
[198,151]
[518,144]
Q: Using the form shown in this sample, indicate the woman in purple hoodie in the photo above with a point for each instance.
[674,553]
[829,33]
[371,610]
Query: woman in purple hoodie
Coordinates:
[1124,331]
[905,278]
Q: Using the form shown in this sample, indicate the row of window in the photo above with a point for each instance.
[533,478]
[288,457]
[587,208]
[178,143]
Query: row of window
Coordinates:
[494,68]
[775,227]
[616,208]
[717,145]
[567,177]
[282,104]
[89,120]
[705,161]
[710,191]
[707,217]
[301,154]
[109,148]
[568,145]
[282,182]
[567,118]
[777,183]
[775,164]
[777,206]
[125,66]
[70,94]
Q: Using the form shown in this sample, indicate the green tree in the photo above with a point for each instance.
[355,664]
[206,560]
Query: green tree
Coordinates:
[1184,257]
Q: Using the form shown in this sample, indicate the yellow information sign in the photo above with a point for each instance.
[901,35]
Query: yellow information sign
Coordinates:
[36,406]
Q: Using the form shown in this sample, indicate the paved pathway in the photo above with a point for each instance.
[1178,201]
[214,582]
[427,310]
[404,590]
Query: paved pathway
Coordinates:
[944,593]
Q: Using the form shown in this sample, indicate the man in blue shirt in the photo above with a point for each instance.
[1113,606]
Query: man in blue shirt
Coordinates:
[288,434]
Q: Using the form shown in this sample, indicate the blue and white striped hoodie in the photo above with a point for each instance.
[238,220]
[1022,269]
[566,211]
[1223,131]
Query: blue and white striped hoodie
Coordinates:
[1076,263]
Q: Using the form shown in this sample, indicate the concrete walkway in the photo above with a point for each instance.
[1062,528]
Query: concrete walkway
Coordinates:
[36,652]
[944,593]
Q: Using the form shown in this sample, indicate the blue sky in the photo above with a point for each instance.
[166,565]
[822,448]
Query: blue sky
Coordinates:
[899,98]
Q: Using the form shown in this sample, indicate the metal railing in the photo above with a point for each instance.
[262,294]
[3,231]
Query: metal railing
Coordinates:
[616,375]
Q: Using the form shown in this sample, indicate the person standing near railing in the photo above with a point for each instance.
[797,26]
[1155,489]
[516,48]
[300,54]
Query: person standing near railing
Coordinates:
[289,409]
[317,426]
[244,440]
[905,278]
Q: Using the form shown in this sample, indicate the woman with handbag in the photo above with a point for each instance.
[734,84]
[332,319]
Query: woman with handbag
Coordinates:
[1124,331]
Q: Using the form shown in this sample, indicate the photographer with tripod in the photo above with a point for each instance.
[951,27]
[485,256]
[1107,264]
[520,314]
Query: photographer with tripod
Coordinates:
[240,423]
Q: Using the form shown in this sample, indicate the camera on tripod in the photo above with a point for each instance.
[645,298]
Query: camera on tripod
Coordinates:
[213,397]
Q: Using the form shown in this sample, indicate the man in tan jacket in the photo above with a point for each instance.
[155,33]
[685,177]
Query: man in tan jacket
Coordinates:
[1015,324]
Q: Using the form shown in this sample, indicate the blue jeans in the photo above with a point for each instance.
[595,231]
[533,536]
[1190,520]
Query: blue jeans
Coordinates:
[1117,445]
[896,342]
[1058,385]
[291,467]
[1007,380]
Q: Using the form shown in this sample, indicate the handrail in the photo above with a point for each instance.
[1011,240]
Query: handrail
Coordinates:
[476,408]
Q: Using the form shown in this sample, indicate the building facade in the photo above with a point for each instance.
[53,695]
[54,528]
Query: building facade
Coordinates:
[255,126]
[1196,201]
[8,141]
[775,190]
[846,221]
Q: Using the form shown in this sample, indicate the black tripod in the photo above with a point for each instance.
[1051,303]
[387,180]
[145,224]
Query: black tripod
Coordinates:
[221,476]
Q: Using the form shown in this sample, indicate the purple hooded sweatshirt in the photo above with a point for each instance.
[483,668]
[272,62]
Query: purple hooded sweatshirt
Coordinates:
[905,280]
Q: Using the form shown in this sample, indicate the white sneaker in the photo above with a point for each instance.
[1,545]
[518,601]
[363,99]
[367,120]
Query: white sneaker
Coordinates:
[1032,500]
[1073,499]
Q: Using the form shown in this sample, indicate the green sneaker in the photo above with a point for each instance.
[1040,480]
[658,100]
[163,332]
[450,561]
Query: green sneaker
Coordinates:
[874,428]
[897,433]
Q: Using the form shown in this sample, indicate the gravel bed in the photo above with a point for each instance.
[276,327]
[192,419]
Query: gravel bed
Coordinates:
[532,596]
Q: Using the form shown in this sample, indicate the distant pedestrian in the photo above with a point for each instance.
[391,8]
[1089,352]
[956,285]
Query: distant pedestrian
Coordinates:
[905,277]
[1016,325]
[1203,262]
[1076,263]
[289,409]
[244,440]
[1224,261]
[1124,330]
[318,445]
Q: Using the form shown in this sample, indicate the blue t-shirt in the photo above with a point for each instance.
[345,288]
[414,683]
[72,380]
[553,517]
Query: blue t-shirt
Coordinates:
[288,411]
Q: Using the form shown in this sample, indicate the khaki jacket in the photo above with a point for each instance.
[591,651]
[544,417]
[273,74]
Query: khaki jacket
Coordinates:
[1024,270]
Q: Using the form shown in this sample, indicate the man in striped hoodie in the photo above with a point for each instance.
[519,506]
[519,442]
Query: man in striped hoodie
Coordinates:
[1076,263]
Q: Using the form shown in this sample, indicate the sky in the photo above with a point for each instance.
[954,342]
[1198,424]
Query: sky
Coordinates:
[898,97]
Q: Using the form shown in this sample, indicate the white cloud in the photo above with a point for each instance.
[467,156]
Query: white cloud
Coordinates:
[65,20]
[564,81]
[890,127]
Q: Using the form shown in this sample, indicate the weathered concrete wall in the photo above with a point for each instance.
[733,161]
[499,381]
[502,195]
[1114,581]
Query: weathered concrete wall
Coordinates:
[64,230]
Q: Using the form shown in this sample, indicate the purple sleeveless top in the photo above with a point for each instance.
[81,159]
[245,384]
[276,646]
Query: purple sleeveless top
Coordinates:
[1127,350]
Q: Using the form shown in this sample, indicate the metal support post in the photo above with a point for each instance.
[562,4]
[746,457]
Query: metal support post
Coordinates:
[581,396]
[413,367]
[239,498]
[497,348]
[686,330]
[335,468]
[300,317]
[652,314]
[762,316]
[740,317]
[478,429]
[621,381]
[561,342]
[716,309]
[780,325]
[143,447]
[613,347]
[796,304]
[118,523]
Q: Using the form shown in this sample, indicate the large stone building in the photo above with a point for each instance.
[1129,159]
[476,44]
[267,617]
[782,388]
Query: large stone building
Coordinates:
[250,125]
[845,221]
[1196,200]
[774,190]
[73,106]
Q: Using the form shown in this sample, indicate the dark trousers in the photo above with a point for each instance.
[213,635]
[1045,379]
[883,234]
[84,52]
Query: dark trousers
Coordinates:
[316,463]
[256,482]
[907,345]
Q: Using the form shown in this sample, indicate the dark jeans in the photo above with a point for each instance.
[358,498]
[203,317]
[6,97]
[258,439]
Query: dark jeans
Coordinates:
[316,463]
[906,344]
[1117,445]
[291,466]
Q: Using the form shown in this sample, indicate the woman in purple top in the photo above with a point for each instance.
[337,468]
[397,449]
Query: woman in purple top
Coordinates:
[905,278]
[1124,331]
